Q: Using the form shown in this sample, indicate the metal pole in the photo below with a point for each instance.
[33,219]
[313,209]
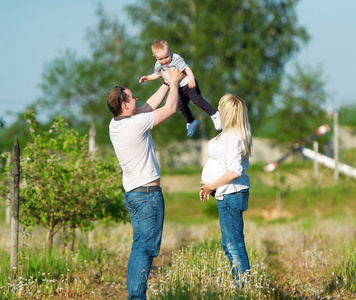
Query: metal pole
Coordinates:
[336,146]
[15,204]
[316,167]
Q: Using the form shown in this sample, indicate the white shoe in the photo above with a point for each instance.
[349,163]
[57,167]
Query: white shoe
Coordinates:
[216,120]
[192,127]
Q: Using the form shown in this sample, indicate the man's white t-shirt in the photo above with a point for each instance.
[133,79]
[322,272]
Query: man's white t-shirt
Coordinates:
[134,148]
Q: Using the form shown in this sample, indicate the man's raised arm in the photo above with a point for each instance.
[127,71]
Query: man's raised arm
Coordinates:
[156,99]
[170,107]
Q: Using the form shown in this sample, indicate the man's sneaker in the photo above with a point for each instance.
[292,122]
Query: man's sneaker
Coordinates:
[192,127]
[216,120]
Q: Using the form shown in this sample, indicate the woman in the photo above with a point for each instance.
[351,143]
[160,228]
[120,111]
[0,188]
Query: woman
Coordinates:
[224,177]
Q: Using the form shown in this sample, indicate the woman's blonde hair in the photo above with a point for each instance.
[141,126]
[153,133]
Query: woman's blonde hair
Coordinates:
[234,118]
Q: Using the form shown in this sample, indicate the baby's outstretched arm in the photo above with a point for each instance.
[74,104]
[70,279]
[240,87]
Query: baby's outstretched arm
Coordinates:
[151,77]
[190,75]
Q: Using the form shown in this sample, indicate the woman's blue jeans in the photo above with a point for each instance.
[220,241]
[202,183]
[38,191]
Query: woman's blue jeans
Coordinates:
[147,215]
[232,225]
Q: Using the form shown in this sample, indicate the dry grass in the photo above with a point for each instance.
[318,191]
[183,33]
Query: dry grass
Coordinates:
[303,259]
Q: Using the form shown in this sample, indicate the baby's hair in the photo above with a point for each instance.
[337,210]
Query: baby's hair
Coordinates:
[159,45]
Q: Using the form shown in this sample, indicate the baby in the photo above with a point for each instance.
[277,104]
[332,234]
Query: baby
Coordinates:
[188,87]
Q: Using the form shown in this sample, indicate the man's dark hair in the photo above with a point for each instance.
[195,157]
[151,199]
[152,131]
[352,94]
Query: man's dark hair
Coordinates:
[113,101]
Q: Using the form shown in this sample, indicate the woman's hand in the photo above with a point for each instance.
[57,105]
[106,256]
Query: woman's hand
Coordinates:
[207,187]
[203,195]
[206,190]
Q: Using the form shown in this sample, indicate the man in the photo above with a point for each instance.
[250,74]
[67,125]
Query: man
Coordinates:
[130,134]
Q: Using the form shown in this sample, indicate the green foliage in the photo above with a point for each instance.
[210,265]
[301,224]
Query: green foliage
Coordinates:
[231,46]
[348,156]
[348,272]
[347,116]
[186,208]
[77,88]
[187,170]
[43,277]
[64,185]
[7,135]
[300,110]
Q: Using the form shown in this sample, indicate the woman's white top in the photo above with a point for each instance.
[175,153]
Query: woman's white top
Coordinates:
[226,154]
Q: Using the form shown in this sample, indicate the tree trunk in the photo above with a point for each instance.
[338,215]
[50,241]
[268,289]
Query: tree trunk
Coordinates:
[65,240]
[49,242]
[73,239]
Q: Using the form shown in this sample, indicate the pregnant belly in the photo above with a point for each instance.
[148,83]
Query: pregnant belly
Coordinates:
[211,171]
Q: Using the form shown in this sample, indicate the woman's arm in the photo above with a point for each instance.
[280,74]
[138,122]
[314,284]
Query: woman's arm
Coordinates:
[225,179]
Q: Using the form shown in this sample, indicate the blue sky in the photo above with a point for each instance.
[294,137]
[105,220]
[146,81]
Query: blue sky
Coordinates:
[32,33]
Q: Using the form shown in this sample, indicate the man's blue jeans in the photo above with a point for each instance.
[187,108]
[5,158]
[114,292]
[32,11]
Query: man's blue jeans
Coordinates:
[231,224]
[147,215]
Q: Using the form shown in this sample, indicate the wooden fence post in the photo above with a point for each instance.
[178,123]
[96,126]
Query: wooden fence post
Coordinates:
[8,199]
[15,204]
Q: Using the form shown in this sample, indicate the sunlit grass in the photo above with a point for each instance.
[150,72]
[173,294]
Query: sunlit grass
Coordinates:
[307,253]
[201,271]
[305,258]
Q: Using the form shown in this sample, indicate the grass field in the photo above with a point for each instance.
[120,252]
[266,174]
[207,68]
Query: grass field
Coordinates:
[305,249]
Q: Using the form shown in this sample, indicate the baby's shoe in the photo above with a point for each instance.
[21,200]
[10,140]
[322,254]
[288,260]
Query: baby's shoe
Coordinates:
[216,120]
[192,127]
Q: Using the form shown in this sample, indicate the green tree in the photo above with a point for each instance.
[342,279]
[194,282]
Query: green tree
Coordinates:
[64,184]
[2,122]
[77,88]
[231,46]
[300,110]
[347,116]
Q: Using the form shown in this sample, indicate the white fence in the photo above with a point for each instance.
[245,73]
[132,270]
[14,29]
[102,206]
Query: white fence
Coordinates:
[193,152]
